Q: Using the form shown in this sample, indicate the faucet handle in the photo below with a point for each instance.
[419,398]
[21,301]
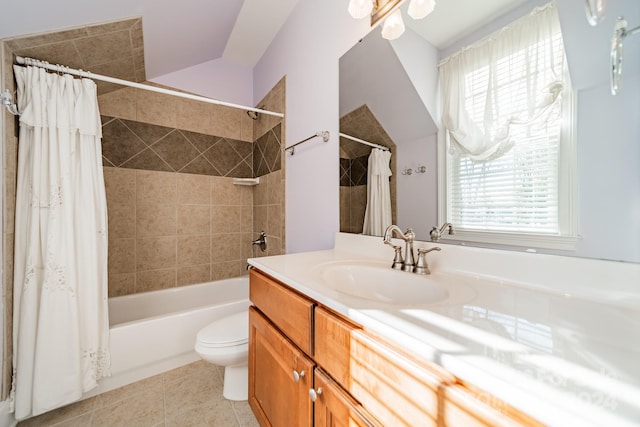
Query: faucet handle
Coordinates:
[398,262]
[422,251]
[434,234]
[422,267]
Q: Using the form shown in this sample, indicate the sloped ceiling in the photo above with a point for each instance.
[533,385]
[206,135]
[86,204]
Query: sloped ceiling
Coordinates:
[453,19]
[177,33]
[372,75]
[182,33]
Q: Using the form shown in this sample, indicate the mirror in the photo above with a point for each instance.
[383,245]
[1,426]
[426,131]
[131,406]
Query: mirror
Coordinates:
[388,96]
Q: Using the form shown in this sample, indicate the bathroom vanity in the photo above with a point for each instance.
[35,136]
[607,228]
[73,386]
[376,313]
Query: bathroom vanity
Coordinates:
[328,346]
[351,376]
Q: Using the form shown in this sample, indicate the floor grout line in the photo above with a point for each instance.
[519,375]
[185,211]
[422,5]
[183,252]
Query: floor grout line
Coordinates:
[116,409]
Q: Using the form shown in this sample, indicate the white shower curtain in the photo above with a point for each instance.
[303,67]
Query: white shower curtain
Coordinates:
[377,216]
[61,327]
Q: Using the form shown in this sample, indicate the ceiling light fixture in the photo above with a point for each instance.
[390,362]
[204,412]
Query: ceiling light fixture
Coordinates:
[595,10]
[393,26]
[360,8]
[418,9]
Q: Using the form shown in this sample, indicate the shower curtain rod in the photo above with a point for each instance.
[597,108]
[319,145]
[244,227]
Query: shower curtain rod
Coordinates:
[87,74]
[362,141]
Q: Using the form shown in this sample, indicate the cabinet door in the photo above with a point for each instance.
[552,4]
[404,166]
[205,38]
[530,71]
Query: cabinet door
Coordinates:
[335,408]
[276,396]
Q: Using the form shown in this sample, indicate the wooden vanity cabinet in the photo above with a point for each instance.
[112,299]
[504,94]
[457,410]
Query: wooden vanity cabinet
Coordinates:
[355,377]
[282,377]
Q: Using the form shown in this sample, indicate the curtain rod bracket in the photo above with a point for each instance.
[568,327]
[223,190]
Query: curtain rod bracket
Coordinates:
[6,99]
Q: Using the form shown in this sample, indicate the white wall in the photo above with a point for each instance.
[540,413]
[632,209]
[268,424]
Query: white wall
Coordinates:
[372,73]
[219,79]
[608,133]
[307,50]
[420,61]
[417,193]
[609,171]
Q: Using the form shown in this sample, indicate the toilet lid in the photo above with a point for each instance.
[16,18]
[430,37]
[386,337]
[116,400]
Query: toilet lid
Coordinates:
[228,331]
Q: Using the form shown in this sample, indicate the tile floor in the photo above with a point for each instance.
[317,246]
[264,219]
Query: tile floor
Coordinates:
[186,396]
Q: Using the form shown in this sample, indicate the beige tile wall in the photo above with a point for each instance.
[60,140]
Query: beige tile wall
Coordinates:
[170,229]
[353,203]
[173,112]
[269,195]
[268,212]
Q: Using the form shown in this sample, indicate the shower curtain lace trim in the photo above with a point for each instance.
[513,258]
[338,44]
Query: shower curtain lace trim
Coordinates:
[99,362]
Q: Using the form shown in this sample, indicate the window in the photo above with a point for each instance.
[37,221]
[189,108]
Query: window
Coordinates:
[508,171]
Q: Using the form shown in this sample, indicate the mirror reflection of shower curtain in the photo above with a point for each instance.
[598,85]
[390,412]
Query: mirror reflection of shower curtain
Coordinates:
[377,216]
[61,325]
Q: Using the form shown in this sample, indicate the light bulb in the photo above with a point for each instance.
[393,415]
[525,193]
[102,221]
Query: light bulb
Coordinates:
[418,9]
[360,8]
[393,26]
[595,10]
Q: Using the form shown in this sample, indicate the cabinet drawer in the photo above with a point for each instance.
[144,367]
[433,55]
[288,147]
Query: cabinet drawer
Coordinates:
[467,408]
[289,311]
[395,389]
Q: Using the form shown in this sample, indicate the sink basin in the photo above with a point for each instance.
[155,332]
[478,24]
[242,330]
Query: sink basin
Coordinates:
[380,283]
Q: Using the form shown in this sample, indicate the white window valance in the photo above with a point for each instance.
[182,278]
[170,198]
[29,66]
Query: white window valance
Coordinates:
[512,78]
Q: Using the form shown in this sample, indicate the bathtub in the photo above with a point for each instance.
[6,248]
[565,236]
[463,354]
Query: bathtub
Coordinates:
[153,332]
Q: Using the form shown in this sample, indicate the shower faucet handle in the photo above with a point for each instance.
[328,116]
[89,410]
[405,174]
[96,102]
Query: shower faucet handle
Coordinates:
[261,241]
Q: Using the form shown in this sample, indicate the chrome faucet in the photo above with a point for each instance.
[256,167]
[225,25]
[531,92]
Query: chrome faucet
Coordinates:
[408,264]
[436,233]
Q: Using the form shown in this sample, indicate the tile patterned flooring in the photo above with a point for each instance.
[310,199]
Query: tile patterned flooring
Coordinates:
[186,396]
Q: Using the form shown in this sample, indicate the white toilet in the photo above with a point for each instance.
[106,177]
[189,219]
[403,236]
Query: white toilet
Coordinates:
[225,342]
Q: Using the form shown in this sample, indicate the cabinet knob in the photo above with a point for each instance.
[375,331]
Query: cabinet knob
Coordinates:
[297,375]
[313,394]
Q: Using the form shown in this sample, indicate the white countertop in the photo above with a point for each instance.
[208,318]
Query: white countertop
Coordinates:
[556,337]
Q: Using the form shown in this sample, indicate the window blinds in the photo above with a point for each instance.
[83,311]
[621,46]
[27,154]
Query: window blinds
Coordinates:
[516,191]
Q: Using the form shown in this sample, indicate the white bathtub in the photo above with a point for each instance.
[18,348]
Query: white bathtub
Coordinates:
[153,332]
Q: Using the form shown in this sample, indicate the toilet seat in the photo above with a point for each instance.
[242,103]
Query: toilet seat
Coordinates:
[229,331]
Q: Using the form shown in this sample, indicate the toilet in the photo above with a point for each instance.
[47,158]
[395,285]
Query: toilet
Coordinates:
[225,342]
